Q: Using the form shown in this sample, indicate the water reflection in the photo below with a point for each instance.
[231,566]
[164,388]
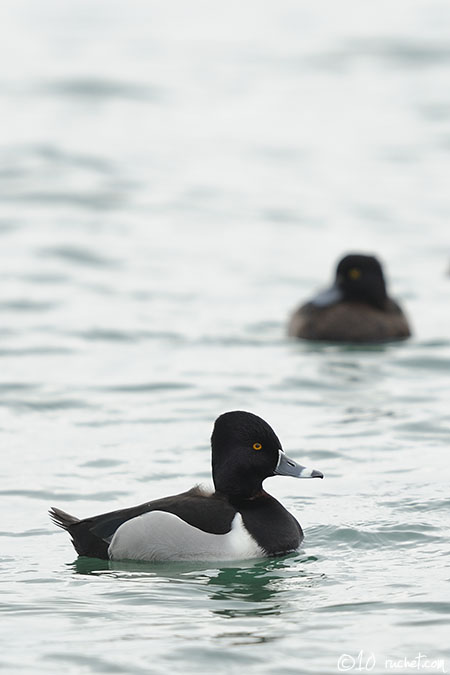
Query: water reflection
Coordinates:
[254,588]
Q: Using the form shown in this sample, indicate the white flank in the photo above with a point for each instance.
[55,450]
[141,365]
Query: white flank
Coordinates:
[159,536]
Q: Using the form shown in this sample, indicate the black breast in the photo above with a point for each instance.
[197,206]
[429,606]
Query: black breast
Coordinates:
[270,524]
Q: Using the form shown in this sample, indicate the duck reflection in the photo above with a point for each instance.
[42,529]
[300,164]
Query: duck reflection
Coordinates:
[255,588]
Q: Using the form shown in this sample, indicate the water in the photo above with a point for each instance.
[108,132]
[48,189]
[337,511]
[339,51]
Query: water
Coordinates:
[175,178]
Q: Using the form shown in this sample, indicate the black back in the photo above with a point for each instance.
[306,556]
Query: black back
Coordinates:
[92,536]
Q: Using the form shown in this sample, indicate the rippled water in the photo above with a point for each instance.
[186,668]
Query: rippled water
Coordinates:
[174,179]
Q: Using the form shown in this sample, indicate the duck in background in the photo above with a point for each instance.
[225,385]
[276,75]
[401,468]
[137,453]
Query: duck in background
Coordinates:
[356,308]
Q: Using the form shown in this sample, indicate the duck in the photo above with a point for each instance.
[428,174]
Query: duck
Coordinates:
[355,308]
[237,520]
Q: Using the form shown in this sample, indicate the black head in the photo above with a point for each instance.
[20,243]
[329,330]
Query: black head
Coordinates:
[360,277]
[245,451]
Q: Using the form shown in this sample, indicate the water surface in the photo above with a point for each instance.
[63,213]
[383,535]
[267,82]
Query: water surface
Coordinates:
[174,179]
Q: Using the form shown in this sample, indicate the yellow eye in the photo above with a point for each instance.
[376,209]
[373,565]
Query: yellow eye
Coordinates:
[354,273]
[257,446]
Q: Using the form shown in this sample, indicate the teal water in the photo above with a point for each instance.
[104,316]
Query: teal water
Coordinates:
[174,180]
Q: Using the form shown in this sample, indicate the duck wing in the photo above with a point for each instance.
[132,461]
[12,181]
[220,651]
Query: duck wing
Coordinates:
[211,513]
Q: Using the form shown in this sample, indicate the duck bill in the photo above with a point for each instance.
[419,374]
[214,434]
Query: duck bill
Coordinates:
[287,467]
[328,297]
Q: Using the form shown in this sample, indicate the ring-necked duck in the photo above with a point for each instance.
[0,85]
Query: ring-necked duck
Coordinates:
[239,520]
[356,308]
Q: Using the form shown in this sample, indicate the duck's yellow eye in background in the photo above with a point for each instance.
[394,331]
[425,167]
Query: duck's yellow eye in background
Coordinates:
[354,273]
[257,446]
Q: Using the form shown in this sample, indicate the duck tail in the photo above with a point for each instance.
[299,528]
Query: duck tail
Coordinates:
[62,519]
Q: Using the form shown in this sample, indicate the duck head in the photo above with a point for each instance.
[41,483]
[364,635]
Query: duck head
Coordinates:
[358,278]
[245,451]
